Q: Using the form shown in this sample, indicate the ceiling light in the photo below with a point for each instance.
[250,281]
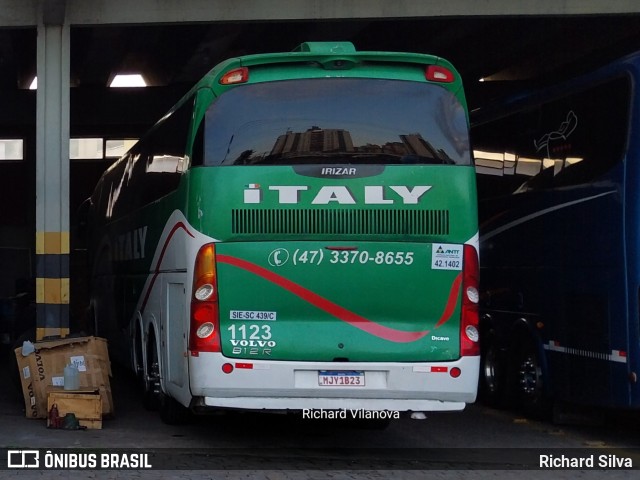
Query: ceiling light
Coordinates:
[34,84]
[129,80]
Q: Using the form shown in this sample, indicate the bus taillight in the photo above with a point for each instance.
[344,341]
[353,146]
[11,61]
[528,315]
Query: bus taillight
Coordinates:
[437,73]
[204,334]
[469,336]
[235,76]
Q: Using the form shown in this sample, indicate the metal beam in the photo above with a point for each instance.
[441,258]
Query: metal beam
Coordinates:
[14,13]
[180,11]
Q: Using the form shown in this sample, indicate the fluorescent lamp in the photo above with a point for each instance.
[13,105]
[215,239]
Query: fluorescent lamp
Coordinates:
[128,80]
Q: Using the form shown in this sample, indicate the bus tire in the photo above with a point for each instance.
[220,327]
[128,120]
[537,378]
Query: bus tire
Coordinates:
[529,378]
[154,399]
[493,377]
[151,378]
[138,363]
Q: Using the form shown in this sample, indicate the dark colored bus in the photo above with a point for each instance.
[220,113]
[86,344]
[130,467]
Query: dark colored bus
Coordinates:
[558,174]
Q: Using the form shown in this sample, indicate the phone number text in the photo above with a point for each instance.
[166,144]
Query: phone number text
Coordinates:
[345,257]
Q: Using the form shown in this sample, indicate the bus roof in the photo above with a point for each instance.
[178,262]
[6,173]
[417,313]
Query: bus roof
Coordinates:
[322,59]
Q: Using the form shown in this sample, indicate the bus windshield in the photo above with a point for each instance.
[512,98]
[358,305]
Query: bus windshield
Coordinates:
[336,121]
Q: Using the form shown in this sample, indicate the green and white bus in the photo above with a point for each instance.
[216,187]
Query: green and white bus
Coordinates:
[299,232]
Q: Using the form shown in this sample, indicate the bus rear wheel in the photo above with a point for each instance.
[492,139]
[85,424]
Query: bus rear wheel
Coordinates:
[530,382]
[492,374]
[171,412]
[151,379]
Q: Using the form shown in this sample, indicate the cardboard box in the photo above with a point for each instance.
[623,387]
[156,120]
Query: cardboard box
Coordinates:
[86,405]
[44,368]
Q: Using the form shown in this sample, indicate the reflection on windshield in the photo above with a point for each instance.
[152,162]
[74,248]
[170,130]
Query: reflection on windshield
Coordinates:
[331,145]
[336,121]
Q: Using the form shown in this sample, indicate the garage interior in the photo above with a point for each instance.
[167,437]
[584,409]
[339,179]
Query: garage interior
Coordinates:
[496,55]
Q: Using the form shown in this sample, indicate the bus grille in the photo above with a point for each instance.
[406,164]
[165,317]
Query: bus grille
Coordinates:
[345,222]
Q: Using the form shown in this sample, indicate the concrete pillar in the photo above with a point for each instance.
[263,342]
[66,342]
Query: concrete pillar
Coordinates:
[52,171]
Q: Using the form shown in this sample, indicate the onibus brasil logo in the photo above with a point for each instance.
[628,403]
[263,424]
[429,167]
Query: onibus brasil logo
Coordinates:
[35,459]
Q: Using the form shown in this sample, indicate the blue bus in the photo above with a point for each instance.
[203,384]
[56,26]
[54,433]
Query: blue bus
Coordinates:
[558,177]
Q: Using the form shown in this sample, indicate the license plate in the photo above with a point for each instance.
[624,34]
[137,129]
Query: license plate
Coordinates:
[340,379]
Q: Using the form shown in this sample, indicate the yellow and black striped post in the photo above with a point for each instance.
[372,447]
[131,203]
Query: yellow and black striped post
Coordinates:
[52,172]
[52,284]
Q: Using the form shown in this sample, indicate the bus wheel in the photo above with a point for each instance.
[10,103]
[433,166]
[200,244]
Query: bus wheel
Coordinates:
[151,380]
[492,375]
[171,412]
[530,384]
[139,371]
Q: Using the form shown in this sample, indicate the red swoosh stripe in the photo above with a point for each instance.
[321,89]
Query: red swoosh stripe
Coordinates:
[451,302]
[175,228]
[393,335]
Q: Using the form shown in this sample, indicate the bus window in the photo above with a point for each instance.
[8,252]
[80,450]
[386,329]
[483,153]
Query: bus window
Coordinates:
[336,121]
